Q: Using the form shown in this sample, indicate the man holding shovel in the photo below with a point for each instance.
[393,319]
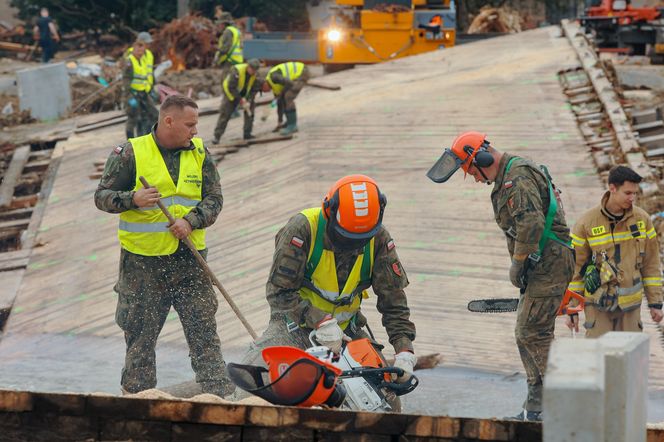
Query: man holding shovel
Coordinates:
[157,269]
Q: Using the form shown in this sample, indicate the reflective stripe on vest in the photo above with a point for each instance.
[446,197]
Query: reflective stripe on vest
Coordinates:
[144,231]
[234,55]
[142,79]
[242,80]
[630,297]
[321,287]
[291,70]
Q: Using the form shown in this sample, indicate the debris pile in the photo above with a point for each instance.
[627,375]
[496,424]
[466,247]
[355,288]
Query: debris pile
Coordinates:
[203,83]
[490,19]
[10,115]
[189,42]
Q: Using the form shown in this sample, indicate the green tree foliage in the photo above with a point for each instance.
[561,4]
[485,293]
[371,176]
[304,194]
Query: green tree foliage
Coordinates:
[122,17]
[279,15]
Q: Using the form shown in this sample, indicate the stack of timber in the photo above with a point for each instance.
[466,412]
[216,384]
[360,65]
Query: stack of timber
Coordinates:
[26,174]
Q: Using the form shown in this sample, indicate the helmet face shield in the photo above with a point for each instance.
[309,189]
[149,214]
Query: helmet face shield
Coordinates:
[445,167]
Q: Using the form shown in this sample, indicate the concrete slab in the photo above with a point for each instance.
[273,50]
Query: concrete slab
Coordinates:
[44,90]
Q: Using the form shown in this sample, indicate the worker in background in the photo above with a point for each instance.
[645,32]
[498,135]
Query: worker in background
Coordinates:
[239,89]
[617,260]
[286,80]
[325,259]
[229,46]
[157,270]
[138,87]
[46,34]
[527,209]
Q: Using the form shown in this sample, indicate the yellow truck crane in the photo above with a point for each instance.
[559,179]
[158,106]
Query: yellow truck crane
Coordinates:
[362,32]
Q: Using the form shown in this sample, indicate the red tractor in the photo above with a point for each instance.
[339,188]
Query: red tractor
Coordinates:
[619,27]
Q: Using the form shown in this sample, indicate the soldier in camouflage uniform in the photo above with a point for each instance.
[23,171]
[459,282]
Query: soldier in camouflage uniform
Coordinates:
[229,46]
[157,270]
[537,239]
[239,88]
[303,296]
[138,87]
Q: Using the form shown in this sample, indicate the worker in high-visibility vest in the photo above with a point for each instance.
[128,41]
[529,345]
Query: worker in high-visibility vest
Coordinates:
[286,80]
[325,259]
[238,89]
[138,84]
[229,46]
[157,270]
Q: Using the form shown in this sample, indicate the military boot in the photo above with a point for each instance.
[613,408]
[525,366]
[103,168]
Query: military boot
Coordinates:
[291,123]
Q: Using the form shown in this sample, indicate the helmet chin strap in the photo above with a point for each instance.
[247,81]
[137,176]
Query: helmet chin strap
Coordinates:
[487,180]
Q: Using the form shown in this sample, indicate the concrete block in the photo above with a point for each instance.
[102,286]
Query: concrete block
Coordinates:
[44,90]
[574,392]
[626,392]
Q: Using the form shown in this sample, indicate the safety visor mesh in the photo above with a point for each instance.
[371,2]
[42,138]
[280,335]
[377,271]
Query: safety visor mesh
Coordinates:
[445,167]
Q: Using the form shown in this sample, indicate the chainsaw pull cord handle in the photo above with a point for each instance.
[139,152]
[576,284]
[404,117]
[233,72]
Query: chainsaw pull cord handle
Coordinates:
[205,267]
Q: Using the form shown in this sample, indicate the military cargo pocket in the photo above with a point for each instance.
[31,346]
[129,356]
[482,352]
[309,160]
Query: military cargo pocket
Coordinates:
[543,311]
[125,312]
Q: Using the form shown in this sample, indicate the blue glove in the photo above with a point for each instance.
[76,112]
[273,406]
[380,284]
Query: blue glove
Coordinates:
[132,102]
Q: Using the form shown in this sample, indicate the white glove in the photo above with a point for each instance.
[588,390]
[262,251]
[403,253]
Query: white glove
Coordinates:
[405,361]
[330,335]
[246,106]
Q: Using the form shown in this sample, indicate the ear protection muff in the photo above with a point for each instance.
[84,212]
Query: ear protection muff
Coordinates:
[483,157]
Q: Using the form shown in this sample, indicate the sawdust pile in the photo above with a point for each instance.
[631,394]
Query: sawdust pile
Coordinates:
[503,19]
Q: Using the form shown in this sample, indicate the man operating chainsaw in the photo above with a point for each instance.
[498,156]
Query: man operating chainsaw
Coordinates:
[528,210]
[324,261]
[617,260]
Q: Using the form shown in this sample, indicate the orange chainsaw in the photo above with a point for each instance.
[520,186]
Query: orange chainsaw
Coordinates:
[504,305]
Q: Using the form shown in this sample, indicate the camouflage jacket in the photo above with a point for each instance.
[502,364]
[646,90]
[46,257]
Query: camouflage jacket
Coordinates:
[115,191]
[520,200]
[388,281]
[234,82]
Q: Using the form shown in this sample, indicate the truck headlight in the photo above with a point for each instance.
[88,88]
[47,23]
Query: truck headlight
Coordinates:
[333,35]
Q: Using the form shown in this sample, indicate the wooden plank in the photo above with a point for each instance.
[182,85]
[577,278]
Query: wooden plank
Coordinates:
[24,212]
[12,175]
[24,201]
[99,125]
[11,281]
[321,85]
[14,223]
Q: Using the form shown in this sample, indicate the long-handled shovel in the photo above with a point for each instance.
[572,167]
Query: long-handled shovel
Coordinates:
[207,269]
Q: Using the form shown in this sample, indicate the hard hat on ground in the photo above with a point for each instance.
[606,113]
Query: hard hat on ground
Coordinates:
[145,37]
[469,148]
[295,378]
[353,208]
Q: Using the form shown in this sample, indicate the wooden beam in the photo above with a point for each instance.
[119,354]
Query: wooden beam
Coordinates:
[19,159]
[611,103]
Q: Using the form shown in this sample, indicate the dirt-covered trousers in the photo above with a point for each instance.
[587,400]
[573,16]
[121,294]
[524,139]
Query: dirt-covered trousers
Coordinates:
[147,288]
[536,318]
[226,111]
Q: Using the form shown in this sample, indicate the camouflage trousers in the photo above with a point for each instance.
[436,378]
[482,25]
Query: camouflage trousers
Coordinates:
[536,318]
[277,334]
[141,118]
[226,110]
[147,288]
[599,322]
[286,100]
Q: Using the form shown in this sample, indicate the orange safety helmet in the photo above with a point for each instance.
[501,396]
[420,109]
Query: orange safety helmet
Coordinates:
[469,148]
[353,209]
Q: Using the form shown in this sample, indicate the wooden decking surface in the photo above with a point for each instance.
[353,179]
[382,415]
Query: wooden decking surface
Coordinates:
[390,121]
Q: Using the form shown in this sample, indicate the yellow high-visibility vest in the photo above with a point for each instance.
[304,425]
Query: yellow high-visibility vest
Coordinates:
[242,70]
[321,287]
[235,54]
[143,78]
[291,70]
[144,231]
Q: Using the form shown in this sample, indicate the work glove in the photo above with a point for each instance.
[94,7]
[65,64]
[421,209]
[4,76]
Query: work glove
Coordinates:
[591,279]
[406,361]
[516,273]
[132,102]
[246,106]
[330,335]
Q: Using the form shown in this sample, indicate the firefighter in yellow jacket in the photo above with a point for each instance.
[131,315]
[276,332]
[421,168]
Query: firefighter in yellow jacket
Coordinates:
[324,261]
[617,260]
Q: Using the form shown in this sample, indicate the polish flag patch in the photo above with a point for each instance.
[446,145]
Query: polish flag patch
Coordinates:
[390,245]
[297,242]
[118,150]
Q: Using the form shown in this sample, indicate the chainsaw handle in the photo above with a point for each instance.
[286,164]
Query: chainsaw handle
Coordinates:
[397,388]
[565,309]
